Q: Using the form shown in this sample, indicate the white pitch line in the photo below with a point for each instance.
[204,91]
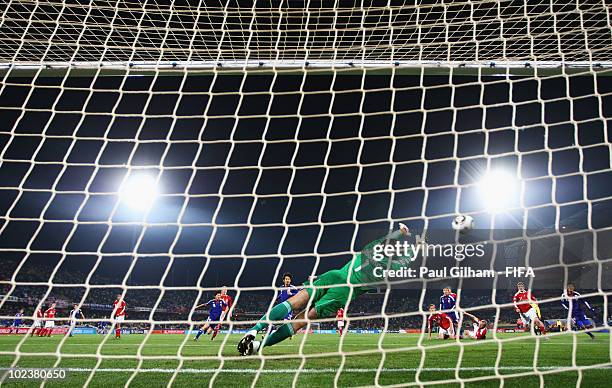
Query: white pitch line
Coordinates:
[324,370]
[214,344]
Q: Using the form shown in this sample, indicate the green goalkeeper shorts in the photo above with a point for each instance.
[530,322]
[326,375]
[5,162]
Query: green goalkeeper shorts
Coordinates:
[327,300]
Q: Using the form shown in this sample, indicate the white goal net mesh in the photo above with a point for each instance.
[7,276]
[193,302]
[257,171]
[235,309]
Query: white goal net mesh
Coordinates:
[163,149]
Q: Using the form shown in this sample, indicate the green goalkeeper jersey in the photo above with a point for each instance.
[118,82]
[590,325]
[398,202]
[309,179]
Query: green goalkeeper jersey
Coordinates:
[332,290]
[364,268]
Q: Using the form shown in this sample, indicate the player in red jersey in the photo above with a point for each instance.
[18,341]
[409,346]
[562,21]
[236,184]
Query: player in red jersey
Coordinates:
[49,321]
[479,331]
[118,314]
[228,301]
[444,322]
[526,305]
[340,319]
[38,319]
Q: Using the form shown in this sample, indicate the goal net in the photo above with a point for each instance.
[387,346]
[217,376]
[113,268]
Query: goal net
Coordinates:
[160,150]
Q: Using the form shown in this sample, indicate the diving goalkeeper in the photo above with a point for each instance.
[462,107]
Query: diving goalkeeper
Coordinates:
[329,292]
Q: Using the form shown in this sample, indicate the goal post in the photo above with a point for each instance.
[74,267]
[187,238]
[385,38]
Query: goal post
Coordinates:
[161,150]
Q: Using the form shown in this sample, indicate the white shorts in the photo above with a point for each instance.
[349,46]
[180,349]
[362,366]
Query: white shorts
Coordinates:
[49,324]
[120,318]
[73,323]
[37,323]
[472,333]
[529,316]
[449,331]
[340,324]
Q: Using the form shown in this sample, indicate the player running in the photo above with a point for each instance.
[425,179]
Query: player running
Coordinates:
[49,321]
[118,314]
[448,301]
[74,314]
[329,292]
[18,321]
[38,319]
[444,322]
[215,307]
[526,305]
[571,300]
[226,313]
[479,331]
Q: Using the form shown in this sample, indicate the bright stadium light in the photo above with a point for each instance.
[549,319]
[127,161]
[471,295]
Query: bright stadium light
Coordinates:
[498,189]
[139,191]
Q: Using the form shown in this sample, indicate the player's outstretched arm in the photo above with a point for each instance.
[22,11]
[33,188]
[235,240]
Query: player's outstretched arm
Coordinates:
[395,235]
[475,318]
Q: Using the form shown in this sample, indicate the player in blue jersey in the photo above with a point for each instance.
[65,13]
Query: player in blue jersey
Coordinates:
[215,309]
[287,291]
[571,300]
[18,321]
[448,301]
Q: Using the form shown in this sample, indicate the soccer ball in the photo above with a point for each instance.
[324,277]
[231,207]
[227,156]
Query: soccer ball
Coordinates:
[463,223]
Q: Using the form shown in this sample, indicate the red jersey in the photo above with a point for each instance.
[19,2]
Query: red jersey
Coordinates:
[50,313]
[228,301]
[39,313]
[340,314]
[119,308]
[441,319]
[481,333]
[522,301]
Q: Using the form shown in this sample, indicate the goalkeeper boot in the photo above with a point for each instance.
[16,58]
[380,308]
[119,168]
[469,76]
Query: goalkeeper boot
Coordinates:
[245,343]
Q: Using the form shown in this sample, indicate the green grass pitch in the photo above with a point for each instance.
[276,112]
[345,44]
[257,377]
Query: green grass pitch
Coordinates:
[398,358]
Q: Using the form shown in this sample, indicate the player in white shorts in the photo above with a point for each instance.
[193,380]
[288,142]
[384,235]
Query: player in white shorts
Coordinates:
[118,314]
[530,316]
[74,315]
[38,323]
[526,305]
[340,318]
[479,326]
[50,321]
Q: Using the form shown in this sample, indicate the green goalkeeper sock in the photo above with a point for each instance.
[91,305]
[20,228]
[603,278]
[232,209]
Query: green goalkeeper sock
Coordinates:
[283,332]
[278,313]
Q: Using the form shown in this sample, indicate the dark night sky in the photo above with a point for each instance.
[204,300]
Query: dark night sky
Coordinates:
[355,158]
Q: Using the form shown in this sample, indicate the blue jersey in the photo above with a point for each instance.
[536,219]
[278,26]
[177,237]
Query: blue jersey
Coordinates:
[215,308]
[448,302]
[573,303]
[18,319]
[287,292]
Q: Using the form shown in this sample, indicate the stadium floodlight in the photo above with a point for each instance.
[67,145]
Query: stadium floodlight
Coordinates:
[139,191]
[497,189]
